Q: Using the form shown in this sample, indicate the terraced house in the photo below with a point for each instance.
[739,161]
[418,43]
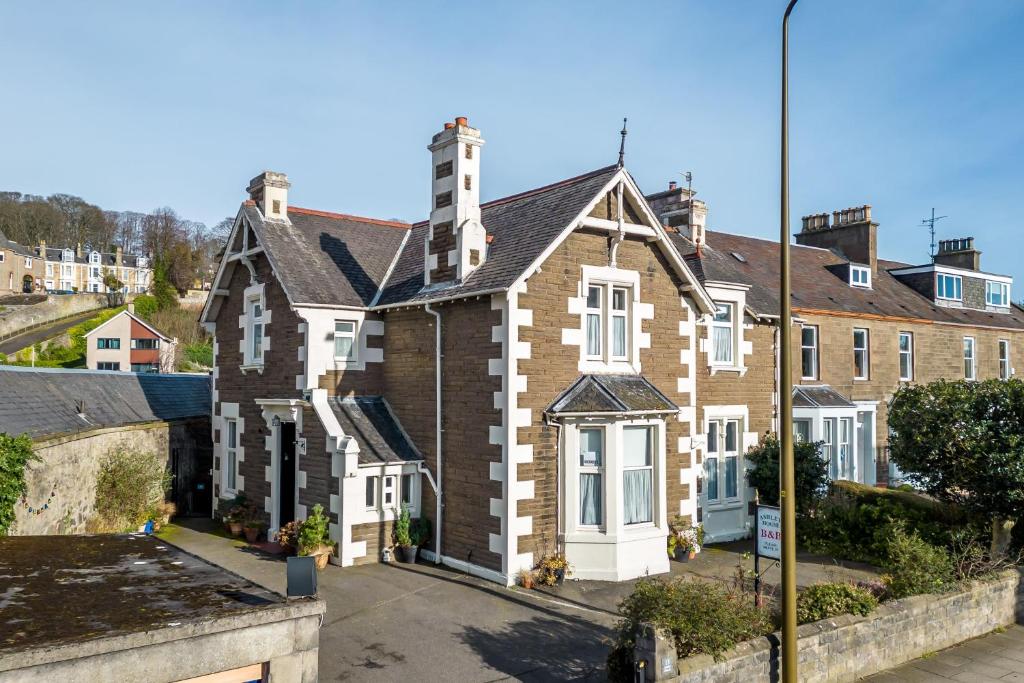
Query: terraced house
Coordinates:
[565,369]
[864,326]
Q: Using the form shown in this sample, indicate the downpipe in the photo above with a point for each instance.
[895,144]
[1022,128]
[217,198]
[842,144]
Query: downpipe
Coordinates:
[438,485]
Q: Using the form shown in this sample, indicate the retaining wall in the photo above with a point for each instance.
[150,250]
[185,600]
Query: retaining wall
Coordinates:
[848,647]
[20,318]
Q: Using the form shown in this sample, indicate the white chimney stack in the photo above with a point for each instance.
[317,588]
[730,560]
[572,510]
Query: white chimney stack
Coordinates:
[456,244]
[270,192]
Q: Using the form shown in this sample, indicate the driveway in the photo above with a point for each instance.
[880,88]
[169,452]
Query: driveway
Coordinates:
[421,622]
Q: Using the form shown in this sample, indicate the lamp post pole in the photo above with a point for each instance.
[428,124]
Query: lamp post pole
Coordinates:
[787,484]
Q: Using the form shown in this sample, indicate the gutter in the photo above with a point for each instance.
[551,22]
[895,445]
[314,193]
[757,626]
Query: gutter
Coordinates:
[438,490]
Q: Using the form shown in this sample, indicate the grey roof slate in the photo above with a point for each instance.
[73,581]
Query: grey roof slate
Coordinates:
[369,421]
[611,394]
[521,227]
[329,259]
[41,402]
[822,396]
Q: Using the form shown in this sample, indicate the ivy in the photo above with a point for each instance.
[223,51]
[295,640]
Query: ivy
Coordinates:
[15,454]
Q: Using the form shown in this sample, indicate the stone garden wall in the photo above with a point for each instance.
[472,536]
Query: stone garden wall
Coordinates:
[17,319]
[847,648]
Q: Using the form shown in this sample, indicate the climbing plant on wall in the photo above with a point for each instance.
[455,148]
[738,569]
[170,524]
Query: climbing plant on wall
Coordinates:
[15,454]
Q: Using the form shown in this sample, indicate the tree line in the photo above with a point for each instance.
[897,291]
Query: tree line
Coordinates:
[182,250]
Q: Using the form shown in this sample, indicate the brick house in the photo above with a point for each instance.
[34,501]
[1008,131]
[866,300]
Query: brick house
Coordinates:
[499,368]
[863,326]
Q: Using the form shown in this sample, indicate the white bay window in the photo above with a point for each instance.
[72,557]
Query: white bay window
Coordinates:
[637,476]
[591,476]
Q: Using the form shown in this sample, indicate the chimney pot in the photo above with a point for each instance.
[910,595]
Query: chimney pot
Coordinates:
[448,125]
[461,121]
[671,185]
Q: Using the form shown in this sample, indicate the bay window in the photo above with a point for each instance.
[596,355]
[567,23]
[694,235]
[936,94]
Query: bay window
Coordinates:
[388,492]
[723,335]
[828,447]
[845,464]
[371,493]
[637,475]
[591,459]
[344,339]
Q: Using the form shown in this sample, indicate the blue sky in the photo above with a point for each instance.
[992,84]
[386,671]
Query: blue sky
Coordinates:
[904,105]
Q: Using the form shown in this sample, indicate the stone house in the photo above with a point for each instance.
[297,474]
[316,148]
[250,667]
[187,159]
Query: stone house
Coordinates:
[863,326]
[21,270]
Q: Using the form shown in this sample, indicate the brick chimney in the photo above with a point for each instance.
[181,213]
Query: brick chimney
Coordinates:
[270,192]
[850,233]
[80,252]
[119,256]
[42,249]
[959,253]
[456,243]
[677,208]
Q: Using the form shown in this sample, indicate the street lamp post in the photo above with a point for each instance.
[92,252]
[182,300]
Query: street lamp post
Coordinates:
[787,484]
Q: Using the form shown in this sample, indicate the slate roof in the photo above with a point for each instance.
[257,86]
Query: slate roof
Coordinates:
[819,396]
[611,394]
[106,258]
[329,259]
[817,283]
[521,227]
[370,422]
[41,402]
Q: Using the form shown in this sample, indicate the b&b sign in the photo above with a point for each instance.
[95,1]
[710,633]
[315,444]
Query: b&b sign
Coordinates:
[769,532]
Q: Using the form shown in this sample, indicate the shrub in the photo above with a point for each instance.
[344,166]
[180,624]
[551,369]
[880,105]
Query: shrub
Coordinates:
[419,531]
[914,566]
[811,472]
[15,454]
[826,600]
[314,532]
[402,528]
[702,618]
[854,522]
[145,305]
[288,536]
[963,442]
[200,353]
[130,484]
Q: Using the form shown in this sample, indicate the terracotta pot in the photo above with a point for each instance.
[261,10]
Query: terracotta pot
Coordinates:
[235,528]
[321,560]
[693,554]
[252,533]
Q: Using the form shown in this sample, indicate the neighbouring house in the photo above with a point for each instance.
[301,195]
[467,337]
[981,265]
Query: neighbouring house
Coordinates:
[562,370]
[128,343]
[135,608]
[863,326]
[76,417]
[26,269]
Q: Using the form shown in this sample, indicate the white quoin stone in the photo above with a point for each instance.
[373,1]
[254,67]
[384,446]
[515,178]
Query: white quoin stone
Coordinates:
[455,169]
[270,192]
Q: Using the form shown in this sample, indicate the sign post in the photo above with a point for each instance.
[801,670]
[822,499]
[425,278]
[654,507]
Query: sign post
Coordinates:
[768,532]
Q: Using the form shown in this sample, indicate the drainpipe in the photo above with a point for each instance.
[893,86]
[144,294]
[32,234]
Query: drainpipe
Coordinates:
[438,490]
[560,545]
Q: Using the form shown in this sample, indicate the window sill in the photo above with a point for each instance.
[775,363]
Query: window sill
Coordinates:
[725,507]
[249,367]
[739,369]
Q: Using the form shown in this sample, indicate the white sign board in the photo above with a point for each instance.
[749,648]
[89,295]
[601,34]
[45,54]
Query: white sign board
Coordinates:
[769,532]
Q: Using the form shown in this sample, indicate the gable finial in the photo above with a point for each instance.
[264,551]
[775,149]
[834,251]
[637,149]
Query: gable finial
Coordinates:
[622,145]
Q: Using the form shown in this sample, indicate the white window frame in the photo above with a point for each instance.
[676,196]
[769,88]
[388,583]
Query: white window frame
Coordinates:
[957,282]
[731,326]
[1005,369]
[805,422]
[230,454]
[108,365]
[608,281]
[844,450]
[813,349]
[408,484]
[860,276]
[1002,292]
[970,358]
[67,256]
[717,450]
[866,350]
[907,353]
[652,450]
[49,269]
[829,445]
[591,470]
[28,262]
[254,296]
[353,335]
[389,489]
[589,312]
[372,481]
[94,257]
[619,314]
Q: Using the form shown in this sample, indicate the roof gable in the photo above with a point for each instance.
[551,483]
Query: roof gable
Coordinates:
[133,317]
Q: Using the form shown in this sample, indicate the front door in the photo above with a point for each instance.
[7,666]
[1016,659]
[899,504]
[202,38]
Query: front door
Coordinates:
[725,507]
[286,492]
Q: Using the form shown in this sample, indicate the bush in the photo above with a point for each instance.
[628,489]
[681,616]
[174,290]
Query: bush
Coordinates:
[15,454]
[702,618]
[130,484]
[402,525]
[811,472]
[855,522]
[314,532]
[914,566]
[145,305]
[826,600]
[200,354]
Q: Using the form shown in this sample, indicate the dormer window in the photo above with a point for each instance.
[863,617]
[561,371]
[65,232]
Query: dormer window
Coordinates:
[949,287]
[94,257]
[68,255]
[997,293]
[860,276]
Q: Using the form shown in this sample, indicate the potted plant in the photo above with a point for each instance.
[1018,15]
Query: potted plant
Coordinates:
[234,519]
[288,537]
[685,539]
[314,537]
[526,579]
[553,569]
[253,526]
[405,549]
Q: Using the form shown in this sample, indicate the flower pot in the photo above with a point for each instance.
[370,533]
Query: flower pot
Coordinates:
[692,554]
[406,554]
[682,555]
[252,533]
[235,528]
[559,576]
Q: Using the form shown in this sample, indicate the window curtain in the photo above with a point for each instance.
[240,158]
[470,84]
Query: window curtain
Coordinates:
[722,344]
[593,335]
[590,498]
[637,492]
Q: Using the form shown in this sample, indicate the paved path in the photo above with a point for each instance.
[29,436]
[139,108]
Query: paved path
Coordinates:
[991,658]
[23,341]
